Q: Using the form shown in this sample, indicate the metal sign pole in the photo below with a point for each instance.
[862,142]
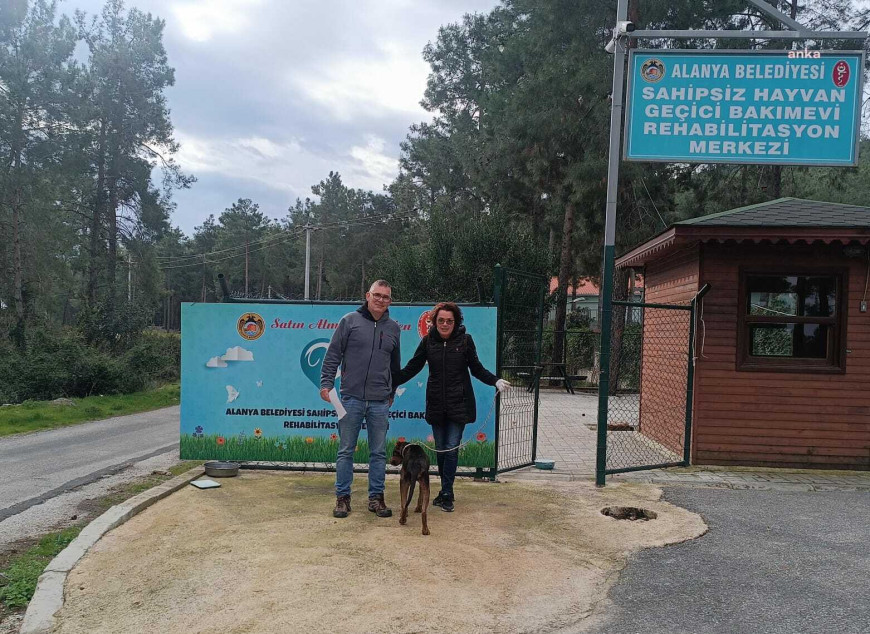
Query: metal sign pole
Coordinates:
[610,241]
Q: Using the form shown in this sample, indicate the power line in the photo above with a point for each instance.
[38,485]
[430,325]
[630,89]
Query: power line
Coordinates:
[200,259]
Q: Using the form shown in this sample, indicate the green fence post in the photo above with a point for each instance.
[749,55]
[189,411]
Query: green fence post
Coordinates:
[499,343]
[690,376]
[536,375]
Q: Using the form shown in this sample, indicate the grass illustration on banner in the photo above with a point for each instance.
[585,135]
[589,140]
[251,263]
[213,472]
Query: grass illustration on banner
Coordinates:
[241,448]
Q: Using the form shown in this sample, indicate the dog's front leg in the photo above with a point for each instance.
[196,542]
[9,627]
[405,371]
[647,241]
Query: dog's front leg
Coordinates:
[403,496]
[424,499]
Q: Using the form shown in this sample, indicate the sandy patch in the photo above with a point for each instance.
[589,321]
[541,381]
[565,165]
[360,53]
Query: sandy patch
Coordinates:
[263,554]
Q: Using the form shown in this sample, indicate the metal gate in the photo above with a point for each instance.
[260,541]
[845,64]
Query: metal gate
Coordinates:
[520,300]
[649,407]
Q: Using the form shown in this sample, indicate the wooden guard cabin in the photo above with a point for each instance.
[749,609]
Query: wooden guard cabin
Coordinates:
[782,376]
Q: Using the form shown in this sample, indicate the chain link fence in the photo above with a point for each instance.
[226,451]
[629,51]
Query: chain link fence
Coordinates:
[650,397]
[520,300]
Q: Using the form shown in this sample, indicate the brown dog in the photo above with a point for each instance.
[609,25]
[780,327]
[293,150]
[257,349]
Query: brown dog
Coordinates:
[415,468]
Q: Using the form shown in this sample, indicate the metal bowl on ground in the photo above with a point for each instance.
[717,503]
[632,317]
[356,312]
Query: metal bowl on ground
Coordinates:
[217,469]
[546,465]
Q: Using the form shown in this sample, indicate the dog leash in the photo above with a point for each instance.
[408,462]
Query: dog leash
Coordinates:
[458,447]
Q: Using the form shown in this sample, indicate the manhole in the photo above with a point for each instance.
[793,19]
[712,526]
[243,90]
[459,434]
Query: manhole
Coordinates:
[628,513]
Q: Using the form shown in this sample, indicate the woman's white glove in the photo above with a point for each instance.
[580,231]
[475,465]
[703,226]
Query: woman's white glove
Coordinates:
[501,385]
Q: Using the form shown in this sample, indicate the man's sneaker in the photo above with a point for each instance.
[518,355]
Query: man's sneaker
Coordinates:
[342,506]
[377,506]
[438,499]
[447,502]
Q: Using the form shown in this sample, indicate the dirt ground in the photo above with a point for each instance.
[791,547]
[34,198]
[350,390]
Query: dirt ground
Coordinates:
[263,554]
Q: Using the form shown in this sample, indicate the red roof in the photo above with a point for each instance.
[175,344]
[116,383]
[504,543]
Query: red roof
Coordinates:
[586,286]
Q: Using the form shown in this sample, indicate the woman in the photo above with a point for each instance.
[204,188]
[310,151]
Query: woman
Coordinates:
[450,405]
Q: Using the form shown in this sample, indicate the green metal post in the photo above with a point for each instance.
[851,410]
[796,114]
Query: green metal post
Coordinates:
[610,240]
[690,376]
[536,376]
[690,386]
[498,297]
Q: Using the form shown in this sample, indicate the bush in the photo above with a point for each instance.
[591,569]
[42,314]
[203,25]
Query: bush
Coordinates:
[62,364]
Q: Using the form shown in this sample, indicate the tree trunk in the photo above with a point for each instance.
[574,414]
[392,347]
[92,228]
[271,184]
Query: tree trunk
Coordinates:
[618,361]
[112,217]
[319,273]
[96,218]
[562,295]
[16,204]
[362,280]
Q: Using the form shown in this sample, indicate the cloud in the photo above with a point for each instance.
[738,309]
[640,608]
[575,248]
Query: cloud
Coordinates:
[232,394]
[289,165]
[216,362]
[201,20]
[238,353]
[391,78]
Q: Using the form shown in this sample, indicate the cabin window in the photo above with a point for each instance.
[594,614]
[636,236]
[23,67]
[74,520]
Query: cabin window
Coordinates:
[791,321]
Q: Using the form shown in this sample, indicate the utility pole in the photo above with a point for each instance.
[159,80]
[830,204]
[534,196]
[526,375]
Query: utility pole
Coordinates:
[307,260]
[614,157]
[246,266]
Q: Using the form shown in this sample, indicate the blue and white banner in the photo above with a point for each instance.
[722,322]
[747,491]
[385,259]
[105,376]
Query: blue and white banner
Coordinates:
[772,107]
[250,383]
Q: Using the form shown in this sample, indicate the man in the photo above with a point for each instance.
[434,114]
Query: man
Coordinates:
[366,345]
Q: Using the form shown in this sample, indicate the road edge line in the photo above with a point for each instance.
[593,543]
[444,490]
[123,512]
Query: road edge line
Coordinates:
[49,596]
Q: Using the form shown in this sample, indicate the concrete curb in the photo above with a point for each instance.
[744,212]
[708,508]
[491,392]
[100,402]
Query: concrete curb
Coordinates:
[48,598]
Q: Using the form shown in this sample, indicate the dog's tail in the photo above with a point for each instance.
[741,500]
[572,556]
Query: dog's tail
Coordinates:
[410,494]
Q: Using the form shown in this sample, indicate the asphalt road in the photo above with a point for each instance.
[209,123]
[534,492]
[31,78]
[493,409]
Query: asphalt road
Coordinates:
[772,562]
[37,467]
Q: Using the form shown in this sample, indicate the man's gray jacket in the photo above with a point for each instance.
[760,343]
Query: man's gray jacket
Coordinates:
[369,354]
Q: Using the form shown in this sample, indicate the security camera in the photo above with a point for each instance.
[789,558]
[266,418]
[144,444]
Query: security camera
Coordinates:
[625,27]
[611,46]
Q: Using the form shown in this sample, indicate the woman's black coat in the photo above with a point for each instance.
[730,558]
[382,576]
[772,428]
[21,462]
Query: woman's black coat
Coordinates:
[449,395]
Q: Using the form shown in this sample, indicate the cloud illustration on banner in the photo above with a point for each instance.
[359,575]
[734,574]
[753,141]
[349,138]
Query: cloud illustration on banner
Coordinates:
[232,394]
[236,353]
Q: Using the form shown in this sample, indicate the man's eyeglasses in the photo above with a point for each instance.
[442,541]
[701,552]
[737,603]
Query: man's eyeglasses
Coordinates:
[446,322]
[381,298]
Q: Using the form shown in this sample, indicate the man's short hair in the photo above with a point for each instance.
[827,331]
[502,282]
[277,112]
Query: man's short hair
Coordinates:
[380,283]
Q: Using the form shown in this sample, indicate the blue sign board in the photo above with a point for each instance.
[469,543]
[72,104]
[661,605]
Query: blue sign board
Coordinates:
[250,383]
[771,107]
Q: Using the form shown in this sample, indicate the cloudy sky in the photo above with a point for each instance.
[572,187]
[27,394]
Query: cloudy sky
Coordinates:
[270,95]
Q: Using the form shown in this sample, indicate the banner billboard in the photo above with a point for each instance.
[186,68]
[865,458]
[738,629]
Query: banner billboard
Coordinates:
[761,107]
[250,382]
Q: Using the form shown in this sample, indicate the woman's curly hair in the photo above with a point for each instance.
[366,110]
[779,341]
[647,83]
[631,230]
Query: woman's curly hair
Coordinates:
[450,307]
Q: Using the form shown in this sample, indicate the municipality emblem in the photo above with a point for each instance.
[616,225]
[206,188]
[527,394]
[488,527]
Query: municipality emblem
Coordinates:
[652,70]
[251,326]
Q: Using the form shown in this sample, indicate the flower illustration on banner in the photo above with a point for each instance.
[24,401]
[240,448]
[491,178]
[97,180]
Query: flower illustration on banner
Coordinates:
[241,437]
[221,440]
[333,436]
[480,436]
[309,440]
[401,439]
[258,432]
[197,432]
[430,438]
